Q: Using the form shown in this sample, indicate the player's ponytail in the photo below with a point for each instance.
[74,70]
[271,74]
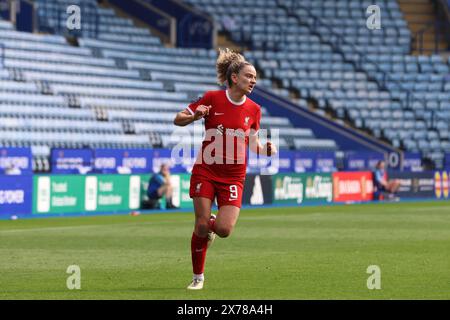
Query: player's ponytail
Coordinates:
[229,62]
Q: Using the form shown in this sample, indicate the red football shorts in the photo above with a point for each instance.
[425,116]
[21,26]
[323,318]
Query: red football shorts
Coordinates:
[227,194]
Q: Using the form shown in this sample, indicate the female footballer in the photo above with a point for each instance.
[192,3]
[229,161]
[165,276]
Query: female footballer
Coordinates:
[232,122]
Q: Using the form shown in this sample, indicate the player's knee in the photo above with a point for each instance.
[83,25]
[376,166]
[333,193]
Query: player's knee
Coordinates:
[223,232]
[202,227]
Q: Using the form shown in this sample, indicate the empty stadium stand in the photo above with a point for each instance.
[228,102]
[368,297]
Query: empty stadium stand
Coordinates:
[324,51]
[114,86]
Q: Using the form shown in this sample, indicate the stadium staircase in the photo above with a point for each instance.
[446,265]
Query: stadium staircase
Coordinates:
[421,17]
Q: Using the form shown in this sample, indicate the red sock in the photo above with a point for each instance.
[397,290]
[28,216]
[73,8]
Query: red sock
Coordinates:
[212,225]
[198,251]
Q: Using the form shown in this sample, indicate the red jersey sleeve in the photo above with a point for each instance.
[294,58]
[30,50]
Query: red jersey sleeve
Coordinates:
[256,123]
[205,100]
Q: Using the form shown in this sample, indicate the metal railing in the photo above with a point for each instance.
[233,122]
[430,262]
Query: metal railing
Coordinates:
[193,32]
[2,55]
[194,27]
[196,11]
[443,12]
[436,26]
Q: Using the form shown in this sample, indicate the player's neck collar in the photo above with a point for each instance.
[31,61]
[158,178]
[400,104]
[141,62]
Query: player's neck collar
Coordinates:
[237,103]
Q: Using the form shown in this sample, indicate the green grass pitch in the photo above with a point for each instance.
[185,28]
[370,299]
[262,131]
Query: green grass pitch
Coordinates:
[274,253]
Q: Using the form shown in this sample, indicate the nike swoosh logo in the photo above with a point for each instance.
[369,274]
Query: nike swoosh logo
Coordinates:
[218,113]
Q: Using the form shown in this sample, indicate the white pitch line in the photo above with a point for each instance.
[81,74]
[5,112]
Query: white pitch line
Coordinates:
[419,209]
[265,217]
[78,227]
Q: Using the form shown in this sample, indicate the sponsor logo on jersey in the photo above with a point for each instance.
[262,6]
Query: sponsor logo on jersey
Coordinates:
[230,132]
[220,129]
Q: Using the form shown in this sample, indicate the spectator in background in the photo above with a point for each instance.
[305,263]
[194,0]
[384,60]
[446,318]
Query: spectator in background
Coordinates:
[12,170]
[124,170]
[382,183]
[84,169]
[159,186]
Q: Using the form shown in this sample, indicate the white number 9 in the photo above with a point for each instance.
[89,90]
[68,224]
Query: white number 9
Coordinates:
[233,192]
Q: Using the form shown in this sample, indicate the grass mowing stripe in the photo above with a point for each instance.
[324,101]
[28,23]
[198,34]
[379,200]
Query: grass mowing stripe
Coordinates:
[278,253]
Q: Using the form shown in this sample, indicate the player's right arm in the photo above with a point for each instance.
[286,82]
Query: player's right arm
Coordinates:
[184,117]
[195,111]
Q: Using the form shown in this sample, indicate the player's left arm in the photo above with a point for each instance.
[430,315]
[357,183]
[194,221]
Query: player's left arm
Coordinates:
[255,145]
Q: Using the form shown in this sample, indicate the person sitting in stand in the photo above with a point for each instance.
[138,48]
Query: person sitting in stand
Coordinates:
[160,186]
[13,170]
[382,183]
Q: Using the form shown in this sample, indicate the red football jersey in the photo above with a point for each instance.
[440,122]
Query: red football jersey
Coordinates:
[223,156]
